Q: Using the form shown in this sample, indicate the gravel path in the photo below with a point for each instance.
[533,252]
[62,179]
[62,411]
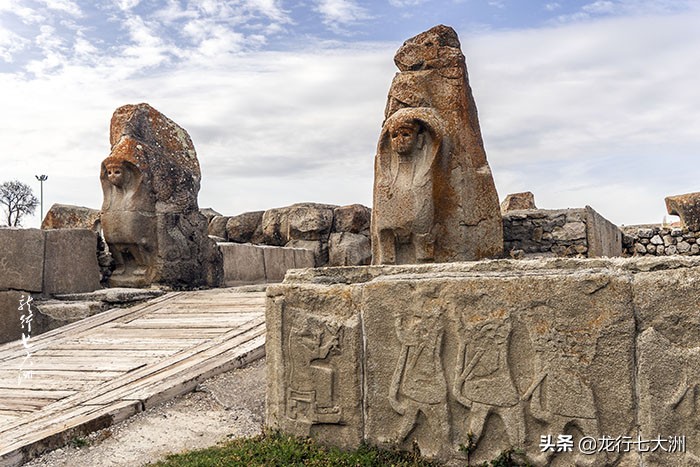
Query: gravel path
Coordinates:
[226,406]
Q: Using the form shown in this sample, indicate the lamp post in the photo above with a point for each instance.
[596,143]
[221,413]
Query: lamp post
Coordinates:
[42,179]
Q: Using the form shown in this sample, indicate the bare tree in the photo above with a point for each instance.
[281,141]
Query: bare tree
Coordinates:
[17,199]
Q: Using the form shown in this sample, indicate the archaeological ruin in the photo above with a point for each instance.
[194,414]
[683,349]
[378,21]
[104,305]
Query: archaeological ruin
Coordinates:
[438,320]
[553,356]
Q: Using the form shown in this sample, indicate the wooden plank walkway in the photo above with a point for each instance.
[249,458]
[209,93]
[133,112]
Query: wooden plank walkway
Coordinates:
[105,368]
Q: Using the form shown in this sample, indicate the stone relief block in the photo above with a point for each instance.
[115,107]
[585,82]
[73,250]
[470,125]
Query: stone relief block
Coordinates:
[314,371]
[669,382]
[496,359]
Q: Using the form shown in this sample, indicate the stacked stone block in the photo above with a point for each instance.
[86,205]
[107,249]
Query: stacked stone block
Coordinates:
[561,232]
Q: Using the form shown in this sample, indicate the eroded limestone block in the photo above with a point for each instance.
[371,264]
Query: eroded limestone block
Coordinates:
[245,228]
[22,259]
[209,213]
[687,207]
[150,218]
[217,227]
[277,261]
[434,196]
[518,201]
[317,247]
[66,216]
[349,249]
[353,218]
[10,324]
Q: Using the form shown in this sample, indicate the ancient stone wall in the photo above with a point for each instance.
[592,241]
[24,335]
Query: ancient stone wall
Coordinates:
[337,235]
[560,232]
[532,354]
[655,240]
[41,263]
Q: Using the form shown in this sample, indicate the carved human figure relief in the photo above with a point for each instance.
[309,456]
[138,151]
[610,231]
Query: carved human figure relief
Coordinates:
[483,380]
[312,345]
[559,395]
[403,225]
[418,383]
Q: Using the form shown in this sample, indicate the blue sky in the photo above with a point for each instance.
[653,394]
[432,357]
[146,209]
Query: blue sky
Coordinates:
[580,102]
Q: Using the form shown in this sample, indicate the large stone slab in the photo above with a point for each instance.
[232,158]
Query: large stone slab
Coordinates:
[277,261]
[21,259]
[243,264]
[505,353]
[434,196]
[71,261]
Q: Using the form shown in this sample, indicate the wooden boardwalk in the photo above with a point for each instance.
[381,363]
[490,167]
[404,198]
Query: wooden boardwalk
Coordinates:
[105,368]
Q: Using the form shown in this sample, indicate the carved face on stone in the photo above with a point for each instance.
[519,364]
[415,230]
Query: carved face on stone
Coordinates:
[117,174]
[405,138]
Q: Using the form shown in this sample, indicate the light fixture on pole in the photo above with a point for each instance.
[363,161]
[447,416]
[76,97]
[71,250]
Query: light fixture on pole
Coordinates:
[42,179]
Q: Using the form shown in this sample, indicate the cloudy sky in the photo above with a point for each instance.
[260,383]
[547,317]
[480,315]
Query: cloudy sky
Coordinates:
[580,102]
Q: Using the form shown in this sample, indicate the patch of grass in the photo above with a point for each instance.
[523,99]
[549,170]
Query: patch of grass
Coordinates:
[79,442]
[508,458]
[277,449]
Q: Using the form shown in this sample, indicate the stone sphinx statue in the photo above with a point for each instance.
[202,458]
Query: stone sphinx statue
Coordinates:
[410,143]
[150,216]
[128,220]
[434,195]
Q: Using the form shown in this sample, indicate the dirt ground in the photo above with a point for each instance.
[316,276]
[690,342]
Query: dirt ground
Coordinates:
[226,406]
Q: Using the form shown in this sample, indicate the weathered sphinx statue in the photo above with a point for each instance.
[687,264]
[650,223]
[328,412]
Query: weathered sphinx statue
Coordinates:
[434,196]
[150,218]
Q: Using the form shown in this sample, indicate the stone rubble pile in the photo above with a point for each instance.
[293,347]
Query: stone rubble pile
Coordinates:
[650,240]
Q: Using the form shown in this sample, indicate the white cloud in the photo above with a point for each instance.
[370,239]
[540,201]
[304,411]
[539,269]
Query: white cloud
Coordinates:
[405,3]
[600,113]
[598,104]
[65,6]
[600,6]
[552,6]
[10,44]
[269,8]
[126,5]
[341,12]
